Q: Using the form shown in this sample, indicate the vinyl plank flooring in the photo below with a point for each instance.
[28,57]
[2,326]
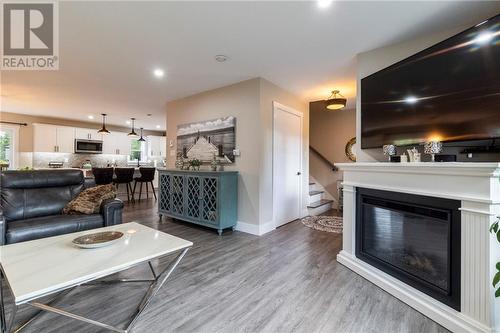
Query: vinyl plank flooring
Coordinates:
[285,281]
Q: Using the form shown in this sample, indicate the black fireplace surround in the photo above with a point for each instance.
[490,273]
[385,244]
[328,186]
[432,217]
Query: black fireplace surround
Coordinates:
[414,238]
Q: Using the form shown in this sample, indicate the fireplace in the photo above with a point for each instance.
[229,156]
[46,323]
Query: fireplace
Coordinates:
[414,238]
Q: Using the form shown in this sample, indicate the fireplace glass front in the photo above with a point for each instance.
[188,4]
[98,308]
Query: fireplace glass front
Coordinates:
[413,238]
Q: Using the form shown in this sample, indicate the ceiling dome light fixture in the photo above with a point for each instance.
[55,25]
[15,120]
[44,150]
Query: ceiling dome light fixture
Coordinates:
[141,139]
[103,129]
[132,132]
[336,101]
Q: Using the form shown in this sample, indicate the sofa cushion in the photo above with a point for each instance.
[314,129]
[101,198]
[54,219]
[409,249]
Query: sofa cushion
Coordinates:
[30,194]
[89,200]
[47,226]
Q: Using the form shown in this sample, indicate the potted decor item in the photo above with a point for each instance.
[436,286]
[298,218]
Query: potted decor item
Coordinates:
[195,164]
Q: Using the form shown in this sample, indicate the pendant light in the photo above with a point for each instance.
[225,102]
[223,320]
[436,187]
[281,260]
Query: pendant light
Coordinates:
[103,129]
[336,101]
[141,139]
[132,132]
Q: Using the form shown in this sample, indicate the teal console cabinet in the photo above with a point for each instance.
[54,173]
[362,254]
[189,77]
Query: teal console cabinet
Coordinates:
[208,198]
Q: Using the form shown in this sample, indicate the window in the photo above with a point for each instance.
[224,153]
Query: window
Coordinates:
[8,148]
[138,151]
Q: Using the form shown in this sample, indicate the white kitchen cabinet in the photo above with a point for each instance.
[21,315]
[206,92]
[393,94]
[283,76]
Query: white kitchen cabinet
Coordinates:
[44,138]
[116,143]
[123,144]
[157,146]
[163,146]
[53,139]
[153,145]
[87,134]
[65,138]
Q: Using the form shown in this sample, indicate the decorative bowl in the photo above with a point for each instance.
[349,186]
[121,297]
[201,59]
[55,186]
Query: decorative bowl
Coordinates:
[98,239]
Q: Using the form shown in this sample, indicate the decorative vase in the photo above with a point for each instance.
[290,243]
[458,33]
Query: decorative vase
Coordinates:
[389,150]
[433,148]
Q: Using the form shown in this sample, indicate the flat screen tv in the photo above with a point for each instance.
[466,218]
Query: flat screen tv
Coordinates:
[449,92]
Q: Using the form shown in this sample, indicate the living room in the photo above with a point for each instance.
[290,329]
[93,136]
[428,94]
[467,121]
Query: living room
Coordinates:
[309,166]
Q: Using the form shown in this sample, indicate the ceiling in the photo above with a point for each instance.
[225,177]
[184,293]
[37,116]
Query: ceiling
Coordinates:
[108,51]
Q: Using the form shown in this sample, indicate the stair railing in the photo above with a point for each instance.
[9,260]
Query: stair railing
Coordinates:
[324,159]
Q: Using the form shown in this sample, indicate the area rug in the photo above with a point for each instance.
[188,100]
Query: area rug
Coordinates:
[324,223]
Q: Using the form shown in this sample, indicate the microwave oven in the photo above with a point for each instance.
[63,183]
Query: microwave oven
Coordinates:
[88,146]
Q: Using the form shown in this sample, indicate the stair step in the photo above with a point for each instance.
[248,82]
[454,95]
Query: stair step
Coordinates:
[311,183]
[315,192]
[320,203]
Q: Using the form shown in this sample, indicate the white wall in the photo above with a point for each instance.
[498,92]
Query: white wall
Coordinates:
[375,60]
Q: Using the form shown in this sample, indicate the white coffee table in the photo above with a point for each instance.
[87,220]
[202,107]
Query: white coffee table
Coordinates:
[54,265]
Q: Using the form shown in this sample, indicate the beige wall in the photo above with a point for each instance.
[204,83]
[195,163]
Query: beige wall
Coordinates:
[329,133]
[375,60]
[26,132]
[251,103]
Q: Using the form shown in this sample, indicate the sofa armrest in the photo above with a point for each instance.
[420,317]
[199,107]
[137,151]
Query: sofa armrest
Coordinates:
[111,211]
[3,228]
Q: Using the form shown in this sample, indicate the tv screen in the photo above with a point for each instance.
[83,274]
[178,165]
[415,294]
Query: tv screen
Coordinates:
[448,92]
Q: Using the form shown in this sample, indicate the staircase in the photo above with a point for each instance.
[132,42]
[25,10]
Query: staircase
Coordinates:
[319,200]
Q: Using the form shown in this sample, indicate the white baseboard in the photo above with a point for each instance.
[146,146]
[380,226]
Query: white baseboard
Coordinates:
[255,229]
[435,310]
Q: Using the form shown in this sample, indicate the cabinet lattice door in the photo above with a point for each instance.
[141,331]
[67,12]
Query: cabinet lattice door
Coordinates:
[206,198]
[177,195]
[164,201]
[209,199]
[193,197]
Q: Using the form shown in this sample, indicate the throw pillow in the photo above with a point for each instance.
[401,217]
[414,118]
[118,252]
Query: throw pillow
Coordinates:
[89,200]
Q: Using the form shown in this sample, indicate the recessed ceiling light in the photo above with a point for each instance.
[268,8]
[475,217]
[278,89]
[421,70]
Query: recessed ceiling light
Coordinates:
[127,122]
[158,126]
[90,116]
[324,3]
[221,58]
[159,73]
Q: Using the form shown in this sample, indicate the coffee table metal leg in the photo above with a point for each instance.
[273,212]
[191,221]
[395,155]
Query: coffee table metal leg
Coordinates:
[3,325]
[153,289]
[11,320]
[36,315]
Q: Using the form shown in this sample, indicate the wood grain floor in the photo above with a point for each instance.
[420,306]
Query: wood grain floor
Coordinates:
[285,281]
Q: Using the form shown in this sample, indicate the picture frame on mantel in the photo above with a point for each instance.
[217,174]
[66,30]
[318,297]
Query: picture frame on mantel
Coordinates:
[207,139]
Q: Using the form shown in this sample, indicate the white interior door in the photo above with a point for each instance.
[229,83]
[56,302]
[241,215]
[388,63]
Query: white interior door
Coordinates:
[287,164]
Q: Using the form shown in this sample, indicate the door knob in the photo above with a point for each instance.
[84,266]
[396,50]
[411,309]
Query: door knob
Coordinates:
[298,173]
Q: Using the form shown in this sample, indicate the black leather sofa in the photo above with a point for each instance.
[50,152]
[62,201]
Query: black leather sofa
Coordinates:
[32,202]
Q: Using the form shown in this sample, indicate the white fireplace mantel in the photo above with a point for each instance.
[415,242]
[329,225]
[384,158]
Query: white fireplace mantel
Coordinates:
[477,187]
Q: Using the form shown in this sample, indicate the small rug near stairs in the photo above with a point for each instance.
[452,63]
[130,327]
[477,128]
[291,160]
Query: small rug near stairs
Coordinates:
[324,223]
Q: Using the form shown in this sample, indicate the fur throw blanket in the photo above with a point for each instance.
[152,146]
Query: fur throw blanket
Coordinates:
[89,200]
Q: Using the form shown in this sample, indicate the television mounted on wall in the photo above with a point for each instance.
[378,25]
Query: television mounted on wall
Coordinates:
[448,92]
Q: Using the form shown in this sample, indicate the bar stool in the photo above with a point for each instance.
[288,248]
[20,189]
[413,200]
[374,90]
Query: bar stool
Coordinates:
[125,176]
[147,176]
[103,176]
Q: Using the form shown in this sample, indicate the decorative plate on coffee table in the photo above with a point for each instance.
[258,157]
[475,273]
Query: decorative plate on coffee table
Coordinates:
[98,239]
